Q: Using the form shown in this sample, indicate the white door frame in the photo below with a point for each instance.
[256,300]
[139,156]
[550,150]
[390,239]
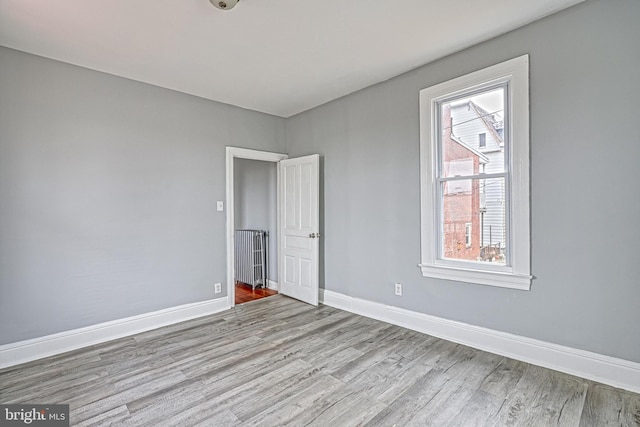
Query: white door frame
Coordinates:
[245,153]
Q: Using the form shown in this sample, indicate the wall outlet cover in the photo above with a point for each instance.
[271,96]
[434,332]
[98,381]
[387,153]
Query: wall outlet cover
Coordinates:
[398,289]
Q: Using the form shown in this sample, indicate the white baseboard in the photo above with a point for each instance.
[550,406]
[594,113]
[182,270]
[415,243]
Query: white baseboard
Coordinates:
[36,348]
[272,285]
[593,366]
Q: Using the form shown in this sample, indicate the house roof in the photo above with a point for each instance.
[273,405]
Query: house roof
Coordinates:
[488,120]
[483,158]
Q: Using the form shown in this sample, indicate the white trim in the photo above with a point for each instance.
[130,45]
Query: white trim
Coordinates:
[37,348]
[245,153]
[271,284]
[515,72]
[593,366]
[480,277]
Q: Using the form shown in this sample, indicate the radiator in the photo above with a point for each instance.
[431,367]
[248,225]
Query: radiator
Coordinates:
[251,257]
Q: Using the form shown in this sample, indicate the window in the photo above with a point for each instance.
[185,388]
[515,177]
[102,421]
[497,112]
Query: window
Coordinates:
[467,234]
[474,197]
[482,140]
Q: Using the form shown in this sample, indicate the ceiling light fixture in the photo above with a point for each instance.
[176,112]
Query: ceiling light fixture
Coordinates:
[224,4]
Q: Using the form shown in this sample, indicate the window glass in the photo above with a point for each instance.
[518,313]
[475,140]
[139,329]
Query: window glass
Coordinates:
[478,202]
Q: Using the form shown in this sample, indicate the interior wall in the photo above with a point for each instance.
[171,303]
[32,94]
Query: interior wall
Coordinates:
[108,191]
[255,186]
[584,92]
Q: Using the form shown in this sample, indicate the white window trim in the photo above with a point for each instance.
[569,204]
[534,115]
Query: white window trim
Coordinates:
[518,274]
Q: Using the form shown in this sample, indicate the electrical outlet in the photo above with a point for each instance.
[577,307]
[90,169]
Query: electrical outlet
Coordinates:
[398,289]
[217,288]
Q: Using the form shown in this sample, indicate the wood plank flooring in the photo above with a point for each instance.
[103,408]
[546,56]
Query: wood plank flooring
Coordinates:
[277,361]
[245,293]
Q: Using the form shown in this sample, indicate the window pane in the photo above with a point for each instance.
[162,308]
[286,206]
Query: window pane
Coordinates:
[472,134]
[474,220]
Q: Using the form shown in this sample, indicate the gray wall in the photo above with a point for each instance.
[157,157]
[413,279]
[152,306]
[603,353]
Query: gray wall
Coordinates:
[108,192]
[256,200]
[585,158]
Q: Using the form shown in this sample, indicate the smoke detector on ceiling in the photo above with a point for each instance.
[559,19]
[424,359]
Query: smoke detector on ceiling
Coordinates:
[224,4]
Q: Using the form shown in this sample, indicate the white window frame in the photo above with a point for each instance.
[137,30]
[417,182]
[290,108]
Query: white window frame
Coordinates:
[468,230]
[482,140]
[516,274]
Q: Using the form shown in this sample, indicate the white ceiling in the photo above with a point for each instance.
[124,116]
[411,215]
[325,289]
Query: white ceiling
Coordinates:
[276,56]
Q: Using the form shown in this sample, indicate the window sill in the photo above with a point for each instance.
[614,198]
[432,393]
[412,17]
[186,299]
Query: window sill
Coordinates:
[480,277]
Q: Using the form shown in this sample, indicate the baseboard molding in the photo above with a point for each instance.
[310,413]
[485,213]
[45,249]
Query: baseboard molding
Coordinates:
[605,369]
[36,348]
[272,285]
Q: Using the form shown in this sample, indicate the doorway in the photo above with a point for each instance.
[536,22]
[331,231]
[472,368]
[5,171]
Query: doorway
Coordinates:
[255,227]
[297,223]
[252,203]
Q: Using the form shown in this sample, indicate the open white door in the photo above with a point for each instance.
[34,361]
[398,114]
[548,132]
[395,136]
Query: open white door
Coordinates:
[299,228]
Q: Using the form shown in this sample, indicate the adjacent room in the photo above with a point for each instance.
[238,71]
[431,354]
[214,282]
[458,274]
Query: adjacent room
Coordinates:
[285,212]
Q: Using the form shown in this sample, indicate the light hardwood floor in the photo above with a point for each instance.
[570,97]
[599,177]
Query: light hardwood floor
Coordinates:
[276,361]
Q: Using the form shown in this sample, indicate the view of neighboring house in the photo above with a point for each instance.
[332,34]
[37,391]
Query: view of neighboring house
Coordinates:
[482,131]
[461,199]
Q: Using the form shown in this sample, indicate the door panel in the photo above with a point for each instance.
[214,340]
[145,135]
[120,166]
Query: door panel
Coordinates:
[298,242]
[300,228]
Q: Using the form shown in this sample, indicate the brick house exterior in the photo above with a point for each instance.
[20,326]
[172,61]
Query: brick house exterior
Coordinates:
[461,199]
[483,131]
